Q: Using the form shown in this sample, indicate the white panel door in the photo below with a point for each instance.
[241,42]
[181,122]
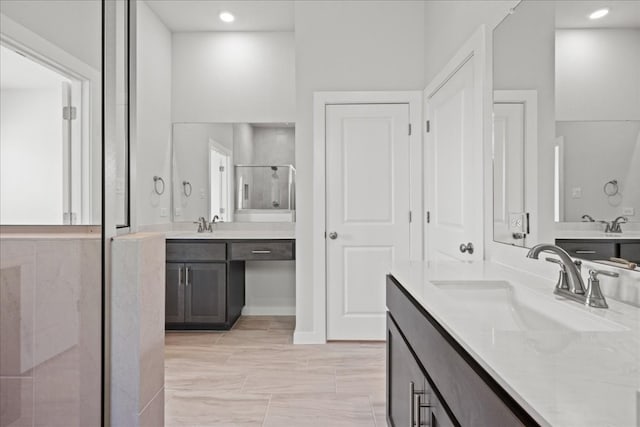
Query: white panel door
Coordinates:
[367,190]
[454,168]
[508,172]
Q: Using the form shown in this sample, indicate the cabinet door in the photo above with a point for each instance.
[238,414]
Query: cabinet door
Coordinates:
[174,293]
[205,290]
[404,381]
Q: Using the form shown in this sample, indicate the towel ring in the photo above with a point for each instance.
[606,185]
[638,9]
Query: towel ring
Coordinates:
[157,179]
[611,188]
[185,185]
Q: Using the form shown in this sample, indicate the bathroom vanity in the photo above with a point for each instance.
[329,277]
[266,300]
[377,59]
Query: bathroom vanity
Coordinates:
[205,276]
[482,344]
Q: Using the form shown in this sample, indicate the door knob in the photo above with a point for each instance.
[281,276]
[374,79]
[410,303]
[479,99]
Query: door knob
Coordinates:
[333,235]
[466,248]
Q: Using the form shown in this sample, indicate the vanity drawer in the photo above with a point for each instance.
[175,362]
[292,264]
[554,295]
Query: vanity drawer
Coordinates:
[196,251]
[630,251]
[264,250]
[589,249]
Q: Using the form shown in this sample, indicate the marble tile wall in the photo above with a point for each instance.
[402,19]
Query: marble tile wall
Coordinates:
[137,330]
[50,327]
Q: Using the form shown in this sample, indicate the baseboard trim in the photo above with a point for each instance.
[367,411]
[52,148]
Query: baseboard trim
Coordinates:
[268,311]
[303,337]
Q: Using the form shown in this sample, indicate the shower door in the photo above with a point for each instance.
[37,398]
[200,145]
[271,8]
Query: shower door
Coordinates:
[51,287]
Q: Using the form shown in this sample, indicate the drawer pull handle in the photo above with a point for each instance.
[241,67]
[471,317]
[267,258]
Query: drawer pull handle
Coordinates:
[260,251]
[586,252]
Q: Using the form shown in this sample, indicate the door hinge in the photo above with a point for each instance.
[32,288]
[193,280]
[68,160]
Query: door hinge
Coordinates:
[428,217]
[428,124]
[69,113]
[410,216]
[409,128]
[221,168]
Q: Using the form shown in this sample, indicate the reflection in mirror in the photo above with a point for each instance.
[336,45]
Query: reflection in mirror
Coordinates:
[570,154]
[236,171]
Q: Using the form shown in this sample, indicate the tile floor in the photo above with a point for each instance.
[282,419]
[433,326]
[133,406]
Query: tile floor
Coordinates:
[254,376]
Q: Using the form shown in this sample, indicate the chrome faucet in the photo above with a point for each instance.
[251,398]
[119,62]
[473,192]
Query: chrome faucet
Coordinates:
[570,283]
[587,218]
[614,226]
[203,225]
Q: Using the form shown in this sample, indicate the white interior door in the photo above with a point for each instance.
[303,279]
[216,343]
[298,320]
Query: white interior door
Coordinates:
[508,173]
[454,168]
[367,202]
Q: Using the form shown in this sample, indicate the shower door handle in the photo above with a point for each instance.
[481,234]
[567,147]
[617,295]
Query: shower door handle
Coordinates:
[333,235]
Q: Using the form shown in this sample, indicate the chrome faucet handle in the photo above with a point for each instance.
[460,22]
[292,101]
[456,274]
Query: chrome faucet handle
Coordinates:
[615,224]
[562,282]
[607,224]
[594,297]
[587,218]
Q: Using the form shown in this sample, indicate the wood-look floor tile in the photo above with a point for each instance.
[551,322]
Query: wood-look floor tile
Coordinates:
[244,338]
[348,355]
[200,408]
[252,324]
[211,380]
[360,380]
[291,381]
[321,410]
[283,322]
[191,338]
[253,358]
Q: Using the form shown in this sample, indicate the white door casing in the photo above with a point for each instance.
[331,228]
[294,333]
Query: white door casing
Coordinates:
[508,171]
[367,206]
[454,155]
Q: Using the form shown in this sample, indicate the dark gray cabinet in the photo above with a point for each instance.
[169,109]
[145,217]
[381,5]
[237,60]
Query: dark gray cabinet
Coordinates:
[457,390]
[601,249]
[205,293]
[195,293]
[410,399]
[174,293]
[205,279]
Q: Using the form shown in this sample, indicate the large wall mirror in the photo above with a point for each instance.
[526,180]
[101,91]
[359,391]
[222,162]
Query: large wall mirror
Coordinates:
[566,147]
[242,172]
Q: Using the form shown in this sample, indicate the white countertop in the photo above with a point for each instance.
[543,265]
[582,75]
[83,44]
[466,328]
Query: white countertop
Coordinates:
[232,234]
[562,378]
[597,235]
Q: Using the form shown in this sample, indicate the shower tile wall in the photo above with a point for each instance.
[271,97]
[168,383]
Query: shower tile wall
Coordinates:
[272,146]
[50,299]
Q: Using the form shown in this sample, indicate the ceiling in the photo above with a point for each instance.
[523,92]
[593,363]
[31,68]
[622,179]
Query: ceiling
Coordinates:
[202,15]
[18,72]
[575,14]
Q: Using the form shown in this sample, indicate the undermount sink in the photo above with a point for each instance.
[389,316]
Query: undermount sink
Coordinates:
[513,308]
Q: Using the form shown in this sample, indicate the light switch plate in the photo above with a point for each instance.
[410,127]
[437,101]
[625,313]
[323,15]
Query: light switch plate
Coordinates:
[163,212]
[576,192]
[178,212]
[517,222]
[628,211]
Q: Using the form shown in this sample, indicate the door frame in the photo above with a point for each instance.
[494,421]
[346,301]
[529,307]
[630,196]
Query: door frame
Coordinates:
[478,46]
[528,98]
[320,101]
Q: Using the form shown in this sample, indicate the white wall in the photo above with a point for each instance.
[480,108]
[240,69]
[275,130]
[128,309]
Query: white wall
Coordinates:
[70,24]
[616,146]
[597,74]
[233,77]
[346,45]
[191,163]
[153,147]
[31,172]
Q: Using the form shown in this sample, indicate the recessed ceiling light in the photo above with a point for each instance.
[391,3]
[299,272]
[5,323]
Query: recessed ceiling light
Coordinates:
[599,13]
[227,17]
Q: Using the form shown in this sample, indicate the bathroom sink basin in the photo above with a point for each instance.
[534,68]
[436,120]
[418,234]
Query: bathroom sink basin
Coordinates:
[515,308]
